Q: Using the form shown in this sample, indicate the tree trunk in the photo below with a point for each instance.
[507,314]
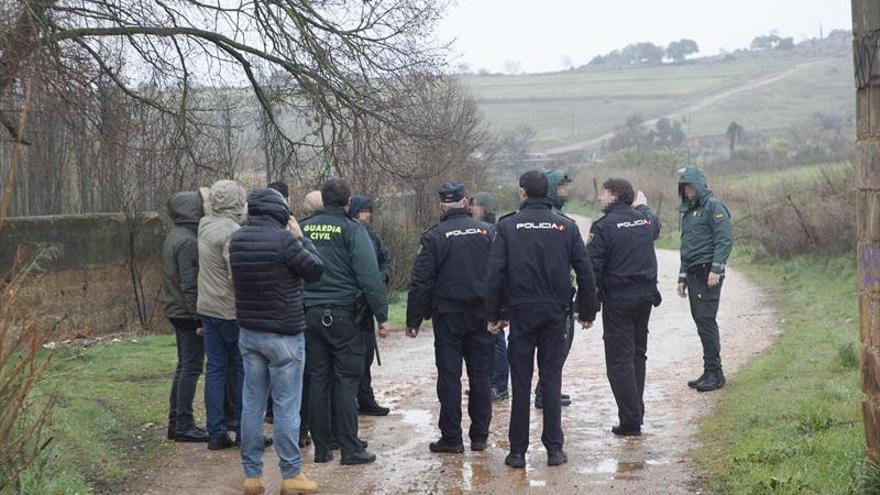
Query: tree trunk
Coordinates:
[866,25]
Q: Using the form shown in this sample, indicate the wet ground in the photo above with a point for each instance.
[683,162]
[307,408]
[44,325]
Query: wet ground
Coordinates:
[599,463]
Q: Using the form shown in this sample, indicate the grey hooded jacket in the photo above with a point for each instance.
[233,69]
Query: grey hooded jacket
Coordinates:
[180,257]
[227,208]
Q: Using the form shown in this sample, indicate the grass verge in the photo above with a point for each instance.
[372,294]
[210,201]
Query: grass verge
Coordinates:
[791,421]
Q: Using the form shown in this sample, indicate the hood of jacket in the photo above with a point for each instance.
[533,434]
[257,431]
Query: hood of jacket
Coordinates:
[185,208]
[556,178]
[360,203]
[227,199]
[695,177]
[268,203]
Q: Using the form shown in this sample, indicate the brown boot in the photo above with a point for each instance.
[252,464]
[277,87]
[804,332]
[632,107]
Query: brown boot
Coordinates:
[254,486]
[298,484]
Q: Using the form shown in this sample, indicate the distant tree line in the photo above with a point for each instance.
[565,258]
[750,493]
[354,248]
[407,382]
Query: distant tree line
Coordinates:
[648,53]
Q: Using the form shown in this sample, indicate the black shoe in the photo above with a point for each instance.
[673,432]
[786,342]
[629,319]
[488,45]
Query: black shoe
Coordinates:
[478,445]
[322,456]
[516,461]
[714,381]
[373,409]
[334,445]
[170,434]
[627,431]
[220,443]
[267,441]
[565,397]
[194,435]
[304,439]
[702,378]
[362,457]
[539,402]
[556,458]
[500,394]
[442,446]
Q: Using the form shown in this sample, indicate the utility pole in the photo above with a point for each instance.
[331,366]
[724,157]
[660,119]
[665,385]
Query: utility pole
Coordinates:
[866,49]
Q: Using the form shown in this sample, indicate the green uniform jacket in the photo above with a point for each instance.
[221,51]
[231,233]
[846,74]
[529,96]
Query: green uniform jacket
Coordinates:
[350,266]
[706,236]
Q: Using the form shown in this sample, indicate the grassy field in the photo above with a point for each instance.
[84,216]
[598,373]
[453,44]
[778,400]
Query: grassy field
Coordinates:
[574,106]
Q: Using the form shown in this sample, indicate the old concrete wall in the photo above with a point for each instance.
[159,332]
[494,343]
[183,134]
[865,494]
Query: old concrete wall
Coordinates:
[86,270]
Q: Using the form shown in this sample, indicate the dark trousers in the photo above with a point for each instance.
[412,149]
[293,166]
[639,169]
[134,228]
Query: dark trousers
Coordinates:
[230,408]
[335,357]
[457,337]
[704,309]
[221,348]
[190,359]
[625,322]
[568,338]
[368,334]
[540,327]
[500,367]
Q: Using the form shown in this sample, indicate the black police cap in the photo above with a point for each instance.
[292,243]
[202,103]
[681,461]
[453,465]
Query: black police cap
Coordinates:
[451,192]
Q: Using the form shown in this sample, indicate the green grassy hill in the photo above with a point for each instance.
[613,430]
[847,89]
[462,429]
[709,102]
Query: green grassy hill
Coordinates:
[571,107]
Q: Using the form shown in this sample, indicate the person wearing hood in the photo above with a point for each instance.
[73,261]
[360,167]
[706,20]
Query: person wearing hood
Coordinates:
[621,248]
[706,243]
[270,259]
[529,279]
[484,209]
[449,285]
[180,272]
[334,344]
[361,210]
[558,193]
[216,305]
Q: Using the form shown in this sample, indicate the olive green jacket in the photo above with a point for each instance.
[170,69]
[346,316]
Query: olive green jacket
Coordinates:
[706,236]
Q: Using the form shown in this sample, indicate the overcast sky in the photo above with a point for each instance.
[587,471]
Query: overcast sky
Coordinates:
[538,34]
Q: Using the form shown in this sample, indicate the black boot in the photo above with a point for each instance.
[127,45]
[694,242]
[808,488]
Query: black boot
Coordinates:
[714,381]
[443,446]
[322,456]
[556,458]
[516,461]
[479,445]
[627,431]
[702,378]
[194,435]
[362,457]
[220,443]
[371,408]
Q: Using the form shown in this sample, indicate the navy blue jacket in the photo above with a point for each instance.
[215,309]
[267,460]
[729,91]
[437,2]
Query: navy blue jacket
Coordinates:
[269,266]
[622,252]
[449,274]
[533,254]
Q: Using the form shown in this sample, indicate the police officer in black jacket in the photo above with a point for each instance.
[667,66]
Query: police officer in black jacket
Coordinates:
[532,257]
[449,284]
[622,253]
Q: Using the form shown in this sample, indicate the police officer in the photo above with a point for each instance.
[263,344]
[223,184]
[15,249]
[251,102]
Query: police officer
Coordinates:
[361,210]
[557,193]
[621,249]
[333,343]
[529,274]
[449,283]
[483,208]
[706,242]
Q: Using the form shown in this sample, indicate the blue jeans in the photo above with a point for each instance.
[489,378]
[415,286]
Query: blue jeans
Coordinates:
[272,362]
[500,368]
[221,349]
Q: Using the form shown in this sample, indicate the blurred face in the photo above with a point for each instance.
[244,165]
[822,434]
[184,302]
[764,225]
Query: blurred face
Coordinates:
[563,191]
[606,198]
[365,216]
[478,211]
[690,192]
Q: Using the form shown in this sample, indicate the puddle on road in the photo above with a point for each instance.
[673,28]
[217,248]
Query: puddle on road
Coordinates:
[416,417]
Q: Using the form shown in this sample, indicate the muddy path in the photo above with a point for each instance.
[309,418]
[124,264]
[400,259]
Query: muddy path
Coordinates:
[658,462]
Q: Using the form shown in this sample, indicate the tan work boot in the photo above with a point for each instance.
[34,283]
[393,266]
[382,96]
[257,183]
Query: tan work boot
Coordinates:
[298,484]
[254,486]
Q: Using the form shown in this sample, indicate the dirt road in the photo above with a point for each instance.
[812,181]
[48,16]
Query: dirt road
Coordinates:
[684,111]
[658,462]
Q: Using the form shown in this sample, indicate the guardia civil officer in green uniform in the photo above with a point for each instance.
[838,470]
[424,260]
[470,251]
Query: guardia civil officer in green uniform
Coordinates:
[706,242]
[334,345]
